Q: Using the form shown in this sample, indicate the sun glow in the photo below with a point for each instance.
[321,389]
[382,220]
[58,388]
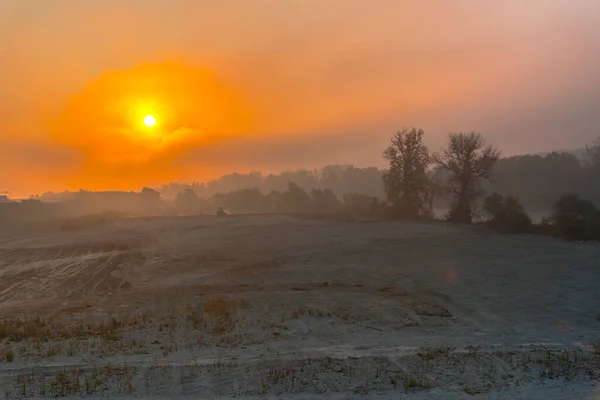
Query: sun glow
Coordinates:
[149,121]
[140,123]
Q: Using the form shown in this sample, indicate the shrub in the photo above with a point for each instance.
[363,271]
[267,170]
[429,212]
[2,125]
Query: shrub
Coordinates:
[363,206]
[576,219]
[10,356]
[506,214]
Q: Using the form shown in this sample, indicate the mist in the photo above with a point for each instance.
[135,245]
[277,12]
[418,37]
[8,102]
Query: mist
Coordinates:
[316,84]
[318,198]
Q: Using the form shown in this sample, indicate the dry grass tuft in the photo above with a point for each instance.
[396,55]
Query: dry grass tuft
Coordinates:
[218,307]
[223,307]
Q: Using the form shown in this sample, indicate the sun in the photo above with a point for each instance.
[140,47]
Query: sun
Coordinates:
[149,121]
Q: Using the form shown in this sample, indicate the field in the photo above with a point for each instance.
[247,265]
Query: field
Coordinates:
[272,306]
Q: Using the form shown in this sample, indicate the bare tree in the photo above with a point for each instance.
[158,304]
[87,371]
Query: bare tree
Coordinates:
[406,183]
[469,159]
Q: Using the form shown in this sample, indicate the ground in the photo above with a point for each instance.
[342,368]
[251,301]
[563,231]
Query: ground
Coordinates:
[277,307]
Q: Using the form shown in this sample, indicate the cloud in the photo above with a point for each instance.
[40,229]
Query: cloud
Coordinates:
[294,83]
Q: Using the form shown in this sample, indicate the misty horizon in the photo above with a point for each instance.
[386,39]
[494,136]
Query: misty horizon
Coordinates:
[578,152]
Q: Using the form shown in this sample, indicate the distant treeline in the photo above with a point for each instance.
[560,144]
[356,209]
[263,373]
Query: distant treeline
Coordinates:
[75,204]
[536,181]
[539,180]
[340,179]
[148,202]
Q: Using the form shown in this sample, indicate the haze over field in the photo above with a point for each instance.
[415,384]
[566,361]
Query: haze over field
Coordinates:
[270,85]
[293,198]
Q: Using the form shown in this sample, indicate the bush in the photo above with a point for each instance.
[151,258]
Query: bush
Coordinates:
[506,214]
[576,219]
[363,206]
[10,356]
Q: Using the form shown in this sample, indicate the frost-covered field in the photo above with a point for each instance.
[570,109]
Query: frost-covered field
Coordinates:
[252,307]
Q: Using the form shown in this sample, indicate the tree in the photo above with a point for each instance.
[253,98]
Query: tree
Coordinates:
[296,200]
[293,200]
[325,201]
[187,202]
[406,183]
[506,214]
[243,201]
[150,201]
[538,180]
[576,218]
[469,159]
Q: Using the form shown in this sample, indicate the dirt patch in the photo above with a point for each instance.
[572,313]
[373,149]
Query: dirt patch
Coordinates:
[299,289]
[337,285]
[427,309]
[390,291]
[74,310]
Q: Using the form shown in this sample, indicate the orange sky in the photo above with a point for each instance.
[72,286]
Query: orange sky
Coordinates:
[270,84]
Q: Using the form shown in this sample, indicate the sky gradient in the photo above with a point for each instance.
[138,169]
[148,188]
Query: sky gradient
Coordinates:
[270,85]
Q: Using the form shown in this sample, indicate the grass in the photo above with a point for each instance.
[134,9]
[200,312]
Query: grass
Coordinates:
[72,335]
[218,307]
[77,382]
[474,390]
[413,383]
[429,368]
[436,353]
[45,329]
[216,322]
[222,307]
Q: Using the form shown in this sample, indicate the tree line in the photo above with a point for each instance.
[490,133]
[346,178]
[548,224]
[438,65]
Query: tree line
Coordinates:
[537,180]
[340,179]
[540,179]
[457,178]
[463,171]
[321,203]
